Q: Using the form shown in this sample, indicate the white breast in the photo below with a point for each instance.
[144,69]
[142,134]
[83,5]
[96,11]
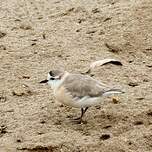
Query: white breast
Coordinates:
[54,84]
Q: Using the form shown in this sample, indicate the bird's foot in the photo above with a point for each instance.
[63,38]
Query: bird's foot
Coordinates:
[79,121]
[78,118]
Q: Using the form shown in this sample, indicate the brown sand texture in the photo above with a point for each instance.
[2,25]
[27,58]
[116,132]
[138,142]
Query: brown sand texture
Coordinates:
[39,35]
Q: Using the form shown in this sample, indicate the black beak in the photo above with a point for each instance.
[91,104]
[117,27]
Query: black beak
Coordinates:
[44,81]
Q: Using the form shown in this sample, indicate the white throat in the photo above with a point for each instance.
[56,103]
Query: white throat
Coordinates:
[55,84]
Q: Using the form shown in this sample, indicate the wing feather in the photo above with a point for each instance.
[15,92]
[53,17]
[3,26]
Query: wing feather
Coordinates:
[81,85]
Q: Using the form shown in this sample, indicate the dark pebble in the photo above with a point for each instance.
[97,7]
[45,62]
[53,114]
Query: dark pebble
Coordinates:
[133,84]
[105,137]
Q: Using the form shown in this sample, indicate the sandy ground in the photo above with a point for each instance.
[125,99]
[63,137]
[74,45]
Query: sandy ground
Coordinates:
[39,35]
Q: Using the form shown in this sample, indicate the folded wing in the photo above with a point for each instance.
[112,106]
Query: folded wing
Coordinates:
[81,85]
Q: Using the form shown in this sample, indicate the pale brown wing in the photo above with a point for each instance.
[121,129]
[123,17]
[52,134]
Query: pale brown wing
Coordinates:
[81,85]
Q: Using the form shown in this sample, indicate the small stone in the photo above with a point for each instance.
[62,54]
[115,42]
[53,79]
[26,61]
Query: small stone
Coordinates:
[112,3]
[2,97]
[17,20]
[44,36]
[138,122]
[95,10]
[40,17]
[130,61]
[3,129]
[42,121]
[115,100]
[113,48]
[33,44]
[60,55]
[15,93]
[129,143]
[26,27]
[101,32]
[21,90]
[57,122]
[149,49]
[26,77]
[91,31]
[80,20]
[40,133]
[140,98]
[69,116]
[105,137]
[2,34]
[149,65]
[145,80]
[98,107]
[78,30]
[34,40]
[133,84]
[149,113]
[10,110]
[107,19]
[106,127]
[91,75]
[2,47]
[86,133]
[19,140]
[143,61]
[61,105]
[71,9]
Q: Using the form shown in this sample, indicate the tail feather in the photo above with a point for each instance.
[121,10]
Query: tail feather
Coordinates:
[112,91]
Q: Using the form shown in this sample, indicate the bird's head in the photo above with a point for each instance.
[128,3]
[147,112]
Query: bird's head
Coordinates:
[54,77]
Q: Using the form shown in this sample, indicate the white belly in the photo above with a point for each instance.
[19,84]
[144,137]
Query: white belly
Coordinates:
[88,101]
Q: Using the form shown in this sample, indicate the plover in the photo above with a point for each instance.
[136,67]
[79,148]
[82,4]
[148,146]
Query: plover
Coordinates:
[78,90]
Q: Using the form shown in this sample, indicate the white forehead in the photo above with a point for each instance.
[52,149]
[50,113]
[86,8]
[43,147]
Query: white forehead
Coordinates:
[48,76]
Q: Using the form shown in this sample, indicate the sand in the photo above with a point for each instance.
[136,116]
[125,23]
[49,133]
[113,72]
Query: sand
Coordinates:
[37,36]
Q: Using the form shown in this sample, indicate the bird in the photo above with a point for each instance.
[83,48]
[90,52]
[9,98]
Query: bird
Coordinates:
[78,90]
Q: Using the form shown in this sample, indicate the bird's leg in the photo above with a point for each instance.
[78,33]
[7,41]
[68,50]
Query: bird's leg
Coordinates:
[82,113]
[85,110]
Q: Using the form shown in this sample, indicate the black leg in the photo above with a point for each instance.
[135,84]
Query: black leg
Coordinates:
[85,110]
[82,113]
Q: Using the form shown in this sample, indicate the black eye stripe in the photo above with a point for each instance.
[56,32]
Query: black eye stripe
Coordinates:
[51,74]
[52,78]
